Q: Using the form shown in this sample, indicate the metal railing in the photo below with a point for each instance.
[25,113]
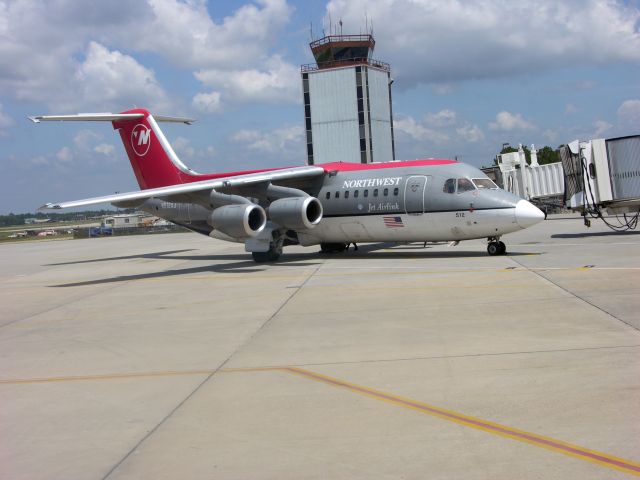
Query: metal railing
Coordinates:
[311,67]
[342,38]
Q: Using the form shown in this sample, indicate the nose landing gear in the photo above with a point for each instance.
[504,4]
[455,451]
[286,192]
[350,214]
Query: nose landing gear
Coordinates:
[496,247]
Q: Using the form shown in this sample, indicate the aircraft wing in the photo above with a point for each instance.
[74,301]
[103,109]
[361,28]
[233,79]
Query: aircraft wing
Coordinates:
[294,173]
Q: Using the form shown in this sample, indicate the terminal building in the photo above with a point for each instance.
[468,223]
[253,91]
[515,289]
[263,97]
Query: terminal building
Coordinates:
[347,102]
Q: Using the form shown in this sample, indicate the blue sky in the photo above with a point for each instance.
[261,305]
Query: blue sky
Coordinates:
[469,76]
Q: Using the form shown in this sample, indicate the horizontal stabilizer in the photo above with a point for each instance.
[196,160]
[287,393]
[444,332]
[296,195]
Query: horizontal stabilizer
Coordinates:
[105,117]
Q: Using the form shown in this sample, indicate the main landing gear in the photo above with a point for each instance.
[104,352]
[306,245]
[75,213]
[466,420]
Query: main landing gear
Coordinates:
[270,255]
[275,249]
[496,247]
[333,247]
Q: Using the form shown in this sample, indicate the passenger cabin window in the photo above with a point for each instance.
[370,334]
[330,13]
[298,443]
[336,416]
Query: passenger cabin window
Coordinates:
[356,193]
[346,194]
[337,195]
[366,193]
[328,195]
[465,185]
[484,183]
[375,192]
[450,186]
[396,191]
[386,192]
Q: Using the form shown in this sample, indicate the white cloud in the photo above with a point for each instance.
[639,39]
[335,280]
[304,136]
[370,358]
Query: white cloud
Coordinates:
[65,155]
[506,121]
[197,158]
[447,41]
[287,141]
[550,135]
[600,127]
[86,143]
[570,109]
[231,56]
[110,80]
[418,131]
[444,118]
[183,147]
[246,136]
[584,85]
[629,114]
[185,33]
[442,88]
[39,161]
[470,133]
[439,128]
[85,138]
[279,82]
[5,121]
[105,149]
[71,57]
[207,102]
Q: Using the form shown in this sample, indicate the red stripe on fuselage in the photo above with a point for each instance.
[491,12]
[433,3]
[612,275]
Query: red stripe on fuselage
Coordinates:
[352,167]
[331,167]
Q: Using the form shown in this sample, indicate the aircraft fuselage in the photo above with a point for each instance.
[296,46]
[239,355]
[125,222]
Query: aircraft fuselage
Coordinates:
[403,203]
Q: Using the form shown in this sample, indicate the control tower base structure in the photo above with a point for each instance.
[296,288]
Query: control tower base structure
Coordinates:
[347,102]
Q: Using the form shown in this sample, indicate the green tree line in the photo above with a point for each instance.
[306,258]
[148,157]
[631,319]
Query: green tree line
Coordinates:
[546,154]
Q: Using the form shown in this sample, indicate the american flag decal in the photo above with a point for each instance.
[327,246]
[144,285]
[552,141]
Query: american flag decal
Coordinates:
[393,222]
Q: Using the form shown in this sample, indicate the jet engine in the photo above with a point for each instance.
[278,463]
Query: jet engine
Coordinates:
[296,213]
[239,220]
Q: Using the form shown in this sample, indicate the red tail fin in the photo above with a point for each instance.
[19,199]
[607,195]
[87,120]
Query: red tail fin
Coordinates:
[154,162]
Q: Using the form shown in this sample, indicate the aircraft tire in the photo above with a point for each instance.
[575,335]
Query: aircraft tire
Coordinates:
[263,257]
[333,247]
[503,248]
[494,248]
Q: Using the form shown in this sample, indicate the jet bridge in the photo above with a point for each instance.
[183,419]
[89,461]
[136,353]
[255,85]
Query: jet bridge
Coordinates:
[594,176]
[604,174]
[531,182]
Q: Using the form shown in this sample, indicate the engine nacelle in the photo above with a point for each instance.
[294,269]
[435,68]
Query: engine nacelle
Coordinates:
[239,220]
[296,213]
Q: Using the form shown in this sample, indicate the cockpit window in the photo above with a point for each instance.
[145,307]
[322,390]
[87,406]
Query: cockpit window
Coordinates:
[484,183]
[450,186]
[464,185]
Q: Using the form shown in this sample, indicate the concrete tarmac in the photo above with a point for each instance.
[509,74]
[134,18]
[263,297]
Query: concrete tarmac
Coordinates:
[176,356]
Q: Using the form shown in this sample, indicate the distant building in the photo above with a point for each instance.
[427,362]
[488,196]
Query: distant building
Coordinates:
[31,221]
[123,221]
[347,102]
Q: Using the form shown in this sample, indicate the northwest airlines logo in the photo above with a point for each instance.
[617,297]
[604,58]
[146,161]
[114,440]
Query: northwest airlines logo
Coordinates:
[141,139]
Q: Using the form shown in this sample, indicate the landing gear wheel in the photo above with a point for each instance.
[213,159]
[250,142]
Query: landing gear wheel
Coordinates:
[333,247]
[496,248]
[493,248]
[272,255]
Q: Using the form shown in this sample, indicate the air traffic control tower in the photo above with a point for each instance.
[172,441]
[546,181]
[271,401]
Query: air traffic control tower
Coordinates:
[347,102]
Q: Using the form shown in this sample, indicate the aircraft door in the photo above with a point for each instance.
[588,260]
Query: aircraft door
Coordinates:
[415,191]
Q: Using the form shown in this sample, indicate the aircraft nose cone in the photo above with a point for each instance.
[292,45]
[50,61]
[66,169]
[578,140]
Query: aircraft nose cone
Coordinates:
[528,214]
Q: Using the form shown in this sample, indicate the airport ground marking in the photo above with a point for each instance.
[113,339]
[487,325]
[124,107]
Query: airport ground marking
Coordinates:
[490,427]
[109,376]
[548,443]
[558,446]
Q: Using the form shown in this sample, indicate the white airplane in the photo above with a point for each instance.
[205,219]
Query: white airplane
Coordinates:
[331,204]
